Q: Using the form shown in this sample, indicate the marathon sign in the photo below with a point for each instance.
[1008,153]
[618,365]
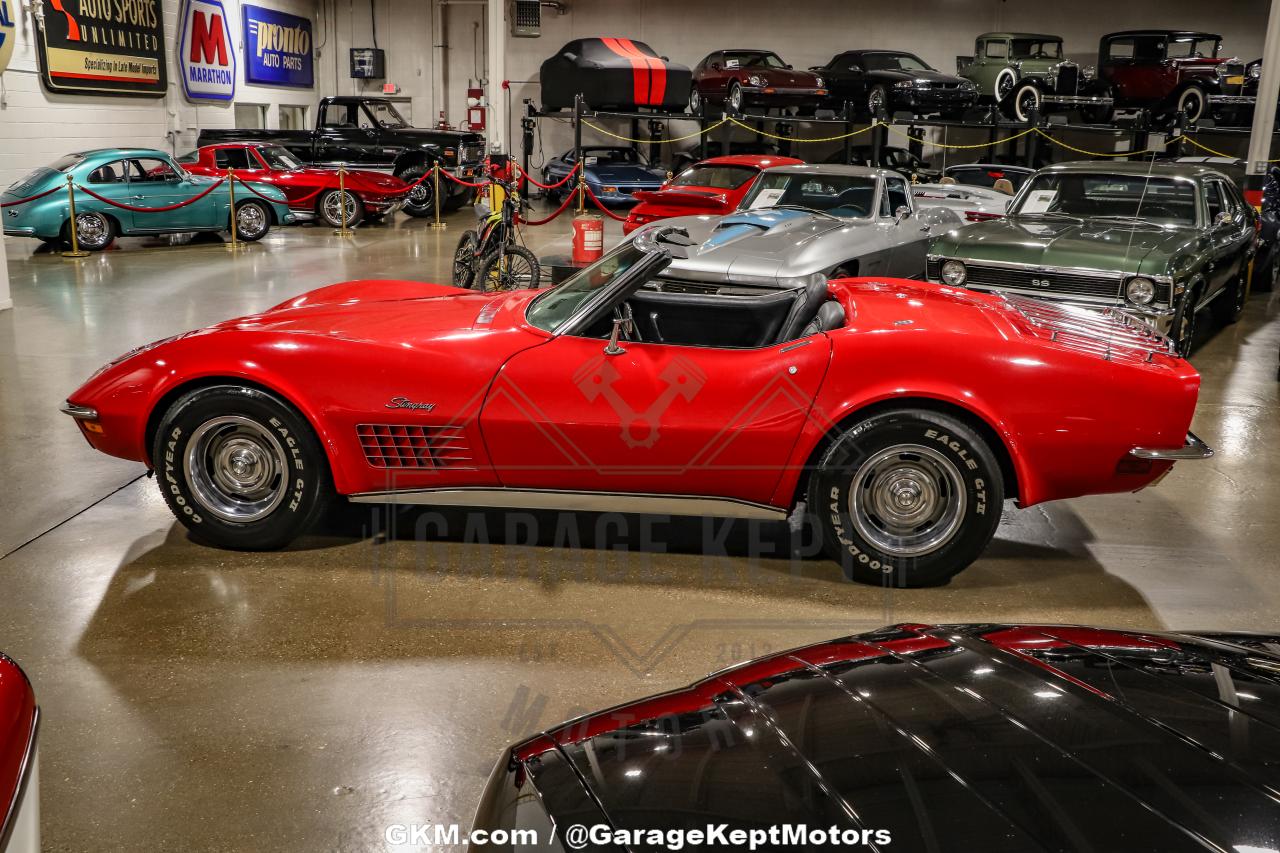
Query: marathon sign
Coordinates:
[206,52]
[277,48]
[97,47]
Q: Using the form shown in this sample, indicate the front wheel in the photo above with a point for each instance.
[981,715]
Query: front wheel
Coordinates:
[1192,102]
[331,204]
[906,498]
[419,201]
[1026,102]
[464,258]
[240,468]
[1185,323]
[1102,113]
[734,97]
[253,221]
[514,268]
[877,101]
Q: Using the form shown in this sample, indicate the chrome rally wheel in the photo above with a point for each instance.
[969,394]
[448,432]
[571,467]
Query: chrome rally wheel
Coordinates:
[907,500]
[236,468]
[94,231]
[252,221]
[335,204]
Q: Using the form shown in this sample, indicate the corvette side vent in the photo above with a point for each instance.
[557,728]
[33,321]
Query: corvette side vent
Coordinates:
[404,446]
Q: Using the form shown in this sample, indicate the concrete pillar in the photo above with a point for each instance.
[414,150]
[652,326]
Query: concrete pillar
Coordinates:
[1264,114]
[5,300]
[497,70]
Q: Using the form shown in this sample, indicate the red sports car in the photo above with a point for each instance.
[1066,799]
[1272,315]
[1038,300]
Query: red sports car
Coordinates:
[311,191]
[19,786]
[896,415]
[750,77]
[713,187]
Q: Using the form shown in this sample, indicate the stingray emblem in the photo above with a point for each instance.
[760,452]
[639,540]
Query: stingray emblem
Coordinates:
[597,380]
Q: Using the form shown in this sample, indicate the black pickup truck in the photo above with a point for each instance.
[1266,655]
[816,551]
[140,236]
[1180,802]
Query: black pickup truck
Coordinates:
[371,134]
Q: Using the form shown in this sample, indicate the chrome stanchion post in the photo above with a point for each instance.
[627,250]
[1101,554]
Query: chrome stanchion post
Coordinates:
[234,245]
[342,200]
[71,206]
[435,195]
[582,189]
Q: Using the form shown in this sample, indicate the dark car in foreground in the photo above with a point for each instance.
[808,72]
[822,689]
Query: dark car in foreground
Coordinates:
[753,78]
[991,738]
[19,783]
[872,81]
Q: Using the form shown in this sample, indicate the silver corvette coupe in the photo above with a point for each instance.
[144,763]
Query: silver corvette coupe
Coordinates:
[798,221]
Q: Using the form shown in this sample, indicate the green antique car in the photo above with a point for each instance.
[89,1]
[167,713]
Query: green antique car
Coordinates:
[1156,241]
[1024,73]
[142,180]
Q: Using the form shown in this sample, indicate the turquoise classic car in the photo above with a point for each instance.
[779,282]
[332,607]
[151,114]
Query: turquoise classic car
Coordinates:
[151,186]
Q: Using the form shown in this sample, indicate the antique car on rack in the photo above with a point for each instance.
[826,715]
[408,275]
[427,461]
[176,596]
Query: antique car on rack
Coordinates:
[888,81]
[19,761]
[311,192]
[895,157]
[1027,73]
[613,173]
[992,738]
[742,78]
[134,192]
[1160,242]
[710,187]
[1167,72]
[613,73]
[895,416]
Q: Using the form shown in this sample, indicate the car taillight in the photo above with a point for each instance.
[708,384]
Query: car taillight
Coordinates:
[981,215]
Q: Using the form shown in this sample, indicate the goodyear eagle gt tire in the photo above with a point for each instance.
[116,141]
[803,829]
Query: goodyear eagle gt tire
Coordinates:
[240,468]
[906,498]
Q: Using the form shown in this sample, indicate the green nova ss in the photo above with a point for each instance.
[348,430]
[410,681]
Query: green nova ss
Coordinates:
[1158,241]
[139,178]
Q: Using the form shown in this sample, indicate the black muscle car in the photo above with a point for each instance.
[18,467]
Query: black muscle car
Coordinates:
[613,73]
[992,738]
[872,81]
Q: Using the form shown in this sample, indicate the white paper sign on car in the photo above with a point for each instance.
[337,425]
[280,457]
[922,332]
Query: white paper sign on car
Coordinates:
[767,198]
[1039,201]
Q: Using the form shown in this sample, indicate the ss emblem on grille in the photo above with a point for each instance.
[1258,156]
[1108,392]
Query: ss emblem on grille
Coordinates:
[1040,282]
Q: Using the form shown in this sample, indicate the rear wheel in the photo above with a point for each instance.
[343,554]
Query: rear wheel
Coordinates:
[329,208]
[1229,305]
[907,498]
[94,231]
[253,221]
[419,201]
[695,102]
[514,269]
[464,258]
[240,468]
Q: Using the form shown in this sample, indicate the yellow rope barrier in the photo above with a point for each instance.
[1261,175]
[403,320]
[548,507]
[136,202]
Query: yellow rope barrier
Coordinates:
[746,126]
[673,139]
[1185,138]
[897,132]
[1062,144]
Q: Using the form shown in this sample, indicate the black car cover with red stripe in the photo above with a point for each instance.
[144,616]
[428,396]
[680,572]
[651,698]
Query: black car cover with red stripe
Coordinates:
[613,73]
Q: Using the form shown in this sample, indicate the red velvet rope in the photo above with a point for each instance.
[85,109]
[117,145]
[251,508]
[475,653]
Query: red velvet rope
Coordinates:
[30,198]
[462,182]
[606,211]
[557,185]
[166,207]
[568,199]
[409,188]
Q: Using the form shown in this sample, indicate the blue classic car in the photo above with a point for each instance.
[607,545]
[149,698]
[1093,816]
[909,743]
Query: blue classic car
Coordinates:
[144,180]
[613,173]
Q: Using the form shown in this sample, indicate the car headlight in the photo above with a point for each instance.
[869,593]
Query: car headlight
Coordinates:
[1089,72]
[1140,291]
[756,81]
[905,84]
[968,85]
[954,273]
[1255,72]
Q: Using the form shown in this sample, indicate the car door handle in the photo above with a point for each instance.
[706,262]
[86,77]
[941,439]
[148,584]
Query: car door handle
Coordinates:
[139,197]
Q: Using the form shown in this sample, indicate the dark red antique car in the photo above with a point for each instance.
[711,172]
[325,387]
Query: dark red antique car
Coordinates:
[898,415]
[19,783]
[992,738]
[311,191]
[1172,71]
[711,187]
[744,77]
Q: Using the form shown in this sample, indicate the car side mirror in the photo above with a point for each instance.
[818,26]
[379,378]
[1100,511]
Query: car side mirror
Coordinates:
[665,58]
[572,57]
[788,66]
[620,325]
[1223,218]
[901,213]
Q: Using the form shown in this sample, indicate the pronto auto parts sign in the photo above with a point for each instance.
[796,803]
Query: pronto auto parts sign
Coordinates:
[277,48]
[206,52]
[101,47]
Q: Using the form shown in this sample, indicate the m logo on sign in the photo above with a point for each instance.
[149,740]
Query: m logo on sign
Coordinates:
[205,52]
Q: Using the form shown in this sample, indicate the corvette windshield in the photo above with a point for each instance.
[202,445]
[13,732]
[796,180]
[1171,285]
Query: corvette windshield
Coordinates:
[715,177]
[1160,201]
[550,310]
[279,158]
[846,196]
[894,62]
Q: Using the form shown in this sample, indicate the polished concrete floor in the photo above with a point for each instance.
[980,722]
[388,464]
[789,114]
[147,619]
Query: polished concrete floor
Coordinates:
[197,699]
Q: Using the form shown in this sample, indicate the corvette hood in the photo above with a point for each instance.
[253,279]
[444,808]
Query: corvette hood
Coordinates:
[757,246]
[1067,243]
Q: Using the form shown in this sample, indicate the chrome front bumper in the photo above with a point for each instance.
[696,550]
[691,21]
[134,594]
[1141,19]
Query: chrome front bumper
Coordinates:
[80,413]
[1242,100]
[1192,448]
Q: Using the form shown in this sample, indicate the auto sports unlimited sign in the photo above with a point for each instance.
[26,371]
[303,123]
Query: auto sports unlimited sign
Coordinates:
[101,47]
[6,33]
[206,53]
[277,48]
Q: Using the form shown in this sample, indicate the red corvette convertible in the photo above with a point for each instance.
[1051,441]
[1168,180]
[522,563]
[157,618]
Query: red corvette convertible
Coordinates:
[311,191]
[19,786]
[713,187]
[897,415]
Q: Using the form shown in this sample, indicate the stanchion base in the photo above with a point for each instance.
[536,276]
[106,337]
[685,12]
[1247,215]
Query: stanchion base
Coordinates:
[75,255]
[234,247]
[338,232]
[440,225]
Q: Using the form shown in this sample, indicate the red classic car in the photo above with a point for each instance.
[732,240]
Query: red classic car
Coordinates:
[897,415]
[311,191]
[1172,71]
[711,187]
[19,786]
[743,77]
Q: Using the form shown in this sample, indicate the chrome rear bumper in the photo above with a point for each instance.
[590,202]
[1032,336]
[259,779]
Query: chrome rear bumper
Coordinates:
[1193,448]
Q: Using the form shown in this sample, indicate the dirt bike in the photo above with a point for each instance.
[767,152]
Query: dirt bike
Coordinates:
[491,257]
